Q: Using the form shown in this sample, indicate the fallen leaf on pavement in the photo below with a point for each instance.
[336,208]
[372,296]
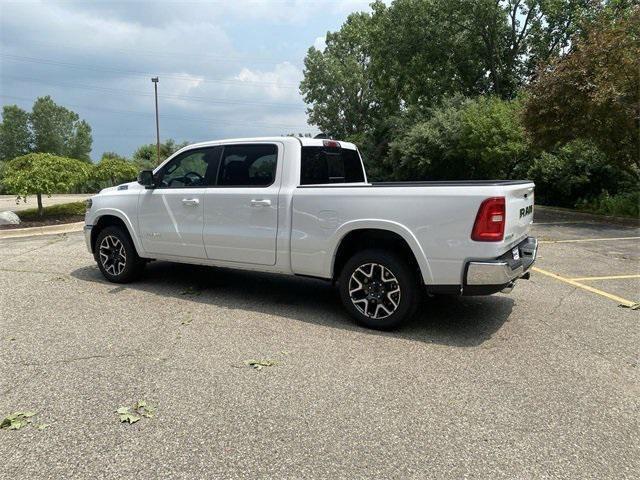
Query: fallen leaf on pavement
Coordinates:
[133,414]
[259,364]
[16,420]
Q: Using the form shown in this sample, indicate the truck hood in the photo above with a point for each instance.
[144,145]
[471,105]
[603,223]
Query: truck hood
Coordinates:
[120,188]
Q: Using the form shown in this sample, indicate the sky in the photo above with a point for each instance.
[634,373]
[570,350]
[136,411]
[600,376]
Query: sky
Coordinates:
[227,68]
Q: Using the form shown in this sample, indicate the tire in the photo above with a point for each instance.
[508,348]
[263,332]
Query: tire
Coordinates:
[116,256]
[368,284]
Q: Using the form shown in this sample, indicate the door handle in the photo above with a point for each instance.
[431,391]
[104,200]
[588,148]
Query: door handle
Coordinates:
[260,203]
[191,202]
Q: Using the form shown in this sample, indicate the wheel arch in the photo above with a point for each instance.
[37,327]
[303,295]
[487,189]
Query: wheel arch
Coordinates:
[357,236]
[107,218]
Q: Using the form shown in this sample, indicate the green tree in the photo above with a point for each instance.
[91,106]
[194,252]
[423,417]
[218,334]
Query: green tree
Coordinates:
[80,146]
[114,170]
[43,174]
[145,157]
[112,155]
[15,136]
[381,73]
[337,84]
[59,131]
[514,36]
[418,55]
[593,92]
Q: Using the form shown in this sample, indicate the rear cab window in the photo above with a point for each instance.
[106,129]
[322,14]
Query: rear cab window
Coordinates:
[324,165]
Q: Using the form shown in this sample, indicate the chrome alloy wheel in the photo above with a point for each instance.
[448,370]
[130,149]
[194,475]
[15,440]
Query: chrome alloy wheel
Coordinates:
[112,255]
[374,290]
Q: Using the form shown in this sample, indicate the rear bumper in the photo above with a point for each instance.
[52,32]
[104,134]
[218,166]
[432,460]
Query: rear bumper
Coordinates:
[483,277]
[87,237]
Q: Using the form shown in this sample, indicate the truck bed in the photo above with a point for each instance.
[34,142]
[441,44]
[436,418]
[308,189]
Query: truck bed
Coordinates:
[435,217]
[429,183]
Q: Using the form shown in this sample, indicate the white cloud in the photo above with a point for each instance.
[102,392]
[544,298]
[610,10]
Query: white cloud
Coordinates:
[227,68]
[320,43]
[278,84]
[164,12]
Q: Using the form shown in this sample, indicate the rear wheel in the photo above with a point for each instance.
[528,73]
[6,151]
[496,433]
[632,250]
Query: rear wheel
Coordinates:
[116,256]
[379,289]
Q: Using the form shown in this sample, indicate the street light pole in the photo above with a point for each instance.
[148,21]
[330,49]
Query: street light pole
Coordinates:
[155,87]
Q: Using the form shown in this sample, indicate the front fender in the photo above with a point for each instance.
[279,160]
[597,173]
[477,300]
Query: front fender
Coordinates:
[120,214]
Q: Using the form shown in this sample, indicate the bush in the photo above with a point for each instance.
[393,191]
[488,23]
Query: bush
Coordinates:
[574,173]
[61,210]
[624,204]
[480,138]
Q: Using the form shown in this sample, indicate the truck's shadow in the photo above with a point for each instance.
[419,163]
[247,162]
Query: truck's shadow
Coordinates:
[465,322]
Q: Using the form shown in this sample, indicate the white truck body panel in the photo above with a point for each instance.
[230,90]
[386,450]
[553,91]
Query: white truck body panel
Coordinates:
[293,229]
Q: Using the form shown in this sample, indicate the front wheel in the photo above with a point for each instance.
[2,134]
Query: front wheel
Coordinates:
[116,256]
[379,289]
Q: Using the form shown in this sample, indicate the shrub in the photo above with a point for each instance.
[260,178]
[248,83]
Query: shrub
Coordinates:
[479,138]
[625,204]
[575,172]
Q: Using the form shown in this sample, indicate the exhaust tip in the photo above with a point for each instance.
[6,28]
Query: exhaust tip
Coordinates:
[508,288]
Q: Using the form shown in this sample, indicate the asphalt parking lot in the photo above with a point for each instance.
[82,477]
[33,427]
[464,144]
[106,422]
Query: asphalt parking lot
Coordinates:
[541,383]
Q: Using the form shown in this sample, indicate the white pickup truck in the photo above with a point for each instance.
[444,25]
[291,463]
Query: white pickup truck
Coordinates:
[302,206]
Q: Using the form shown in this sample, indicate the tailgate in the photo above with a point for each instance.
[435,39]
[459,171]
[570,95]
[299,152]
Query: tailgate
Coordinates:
[519,206]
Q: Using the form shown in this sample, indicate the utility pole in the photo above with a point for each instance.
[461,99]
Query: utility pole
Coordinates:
[155,87]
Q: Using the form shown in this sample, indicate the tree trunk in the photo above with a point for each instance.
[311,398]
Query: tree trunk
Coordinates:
[40,209]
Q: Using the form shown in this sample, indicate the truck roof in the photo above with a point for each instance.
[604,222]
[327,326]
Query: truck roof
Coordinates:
[304,141]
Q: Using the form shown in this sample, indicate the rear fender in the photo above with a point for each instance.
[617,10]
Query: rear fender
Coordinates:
[388,225]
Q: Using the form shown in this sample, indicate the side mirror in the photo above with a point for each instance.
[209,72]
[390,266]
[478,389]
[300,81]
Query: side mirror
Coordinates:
[145,178]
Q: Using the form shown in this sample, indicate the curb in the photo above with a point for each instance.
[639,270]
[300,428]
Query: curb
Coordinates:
[36,231]
[591,216]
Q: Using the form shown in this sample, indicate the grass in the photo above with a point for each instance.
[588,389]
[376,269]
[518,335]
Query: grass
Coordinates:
[62,210]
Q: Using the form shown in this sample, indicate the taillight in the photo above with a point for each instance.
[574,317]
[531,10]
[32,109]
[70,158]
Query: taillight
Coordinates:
[331,144]
[490,220]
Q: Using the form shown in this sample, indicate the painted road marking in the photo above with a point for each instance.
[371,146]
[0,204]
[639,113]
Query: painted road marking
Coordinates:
[589,240]
[615,298]
[611,277]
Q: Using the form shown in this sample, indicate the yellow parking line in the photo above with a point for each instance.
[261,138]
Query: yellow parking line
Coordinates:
[589,240]
[612,277]
[615,298]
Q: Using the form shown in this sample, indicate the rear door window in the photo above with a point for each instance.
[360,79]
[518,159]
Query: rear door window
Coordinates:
[248,165]
[321,165]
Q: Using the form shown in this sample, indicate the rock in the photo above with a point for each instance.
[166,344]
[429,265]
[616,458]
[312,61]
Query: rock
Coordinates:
[9,218]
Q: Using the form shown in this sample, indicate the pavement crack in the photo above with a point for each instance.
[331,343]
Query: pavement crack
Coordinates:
[562,300]
[66,361]
[61,238]
[25,270]
[573,338]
